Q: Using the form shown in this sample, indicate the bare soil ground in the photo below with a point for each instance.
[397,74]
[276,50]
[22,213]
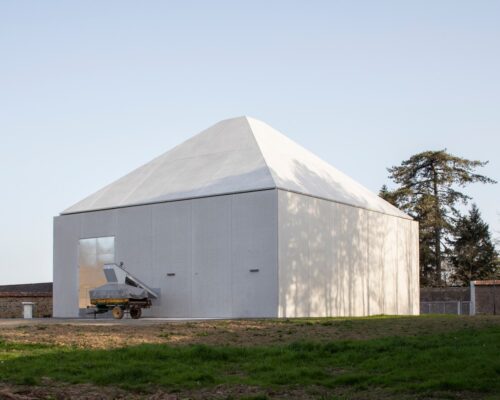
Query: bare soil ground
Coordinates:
[235,332]
[58,391]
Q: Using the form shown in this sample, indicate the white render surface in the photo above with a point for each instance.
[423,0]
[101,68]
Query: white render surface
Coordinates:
[210,244]
[235,155]
[338,260]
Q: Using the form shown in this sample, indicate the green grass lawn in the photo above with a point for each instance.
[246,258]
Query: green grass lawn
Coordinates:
[461,364]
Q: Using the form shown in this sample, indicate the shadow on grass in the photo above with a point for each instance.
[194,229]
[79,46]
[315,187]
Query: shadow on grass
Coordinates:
[463,361]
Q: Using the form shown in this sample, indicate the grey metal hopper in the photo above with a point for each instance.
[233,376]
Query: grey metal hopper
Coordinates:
[121,284]
[118,291]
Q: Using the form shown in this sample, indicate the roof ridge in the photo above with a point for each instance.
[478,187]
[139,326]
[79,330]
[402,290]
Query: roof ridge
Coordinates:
[260,150]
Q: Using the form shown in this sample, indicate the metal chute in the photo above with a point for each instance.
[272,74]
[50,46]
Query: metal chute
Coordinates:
[115,273]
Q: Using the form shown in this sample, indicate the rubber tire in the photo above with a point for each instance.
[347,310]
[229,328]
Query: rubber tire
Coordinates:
[135,313]
[118,312]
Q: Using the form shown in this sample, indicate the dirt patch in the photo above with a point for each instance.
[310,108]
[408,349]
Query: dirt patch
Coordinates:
[237,332]
[61,391]
[57,391]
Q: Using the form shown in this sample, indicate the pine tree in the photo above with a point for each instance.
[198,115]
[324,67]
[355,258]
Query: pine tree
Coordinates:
[427,190]
[474,255]
[387,195]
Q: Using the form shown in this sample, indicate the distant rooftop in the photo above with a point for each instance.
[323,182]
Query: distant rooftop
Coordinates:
[27,289]
[491,282]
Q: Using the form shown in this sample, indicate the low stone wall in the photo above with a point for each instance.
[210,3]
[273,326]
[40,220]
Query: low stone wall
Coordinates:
[445,294]
[487,298]
[11,304]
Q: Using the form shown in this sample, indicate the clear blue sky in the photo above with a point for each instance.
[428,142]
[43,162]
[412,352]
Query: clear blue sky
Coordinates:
[90,90]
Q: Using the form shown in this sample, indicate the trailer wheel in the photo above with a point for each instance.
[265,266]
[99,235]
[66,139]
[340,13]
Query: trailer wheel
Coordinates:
[117,312]
[135,312]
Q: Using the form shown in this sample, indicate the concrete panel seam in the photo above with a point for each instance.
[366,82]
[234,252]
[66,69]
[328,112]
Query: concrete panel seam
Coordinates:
[278,306]
[231,261]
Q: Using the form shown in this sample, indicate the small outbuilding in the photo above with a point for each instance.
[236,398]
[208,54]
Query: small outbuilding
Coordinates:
[12,298]
[240,221]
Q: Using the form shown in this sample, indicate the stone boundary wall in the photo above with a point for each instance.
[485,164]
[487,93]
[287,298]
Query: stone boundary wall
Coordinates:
[486,296]
[445,294]
[11,304]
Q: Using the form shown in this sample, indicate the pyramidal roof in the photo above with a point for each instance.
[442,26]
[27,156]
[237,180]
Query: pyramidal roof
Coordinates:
[235,155]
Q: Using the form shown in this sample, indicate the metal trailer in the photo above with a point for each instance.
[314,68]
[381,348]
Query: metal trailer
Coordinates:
[123,293]
[120,306]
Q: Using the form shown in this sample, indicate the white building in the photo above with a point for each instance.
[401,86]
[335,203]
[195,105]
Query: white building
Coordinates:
[240,221]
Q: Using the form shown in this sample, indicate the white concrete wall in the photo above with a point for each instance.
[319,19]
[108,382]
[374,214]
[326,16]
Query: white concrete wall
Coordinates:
[337,260]
[210,244]
[67,233]
[334,260]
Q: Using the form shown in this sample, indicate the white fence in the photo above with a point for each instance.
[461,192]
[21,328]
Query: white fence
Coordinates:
[445,307]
